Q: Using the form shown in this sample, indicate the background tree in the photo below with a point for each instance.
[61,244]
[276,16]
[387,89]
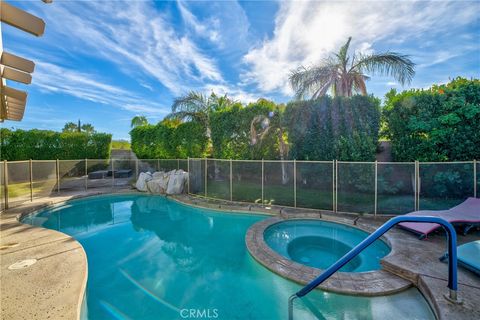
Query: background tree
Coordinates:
[138,121]
[344,74]
[78,127]
[87,128]
[70,127]
[198,107]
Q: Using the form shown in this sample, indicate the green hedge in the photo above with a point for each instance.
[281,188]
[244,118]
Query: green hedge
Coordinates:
[231,131]
[49,145]
[333,128]
[168,140]
[438,124]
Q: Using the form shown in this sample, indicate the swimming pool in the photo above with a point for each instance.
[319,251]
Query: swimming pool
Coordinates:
[152,258]
[320,244]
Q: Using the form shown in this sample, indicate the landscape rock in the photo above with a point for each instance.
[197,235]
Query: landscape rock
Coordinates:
[143,178]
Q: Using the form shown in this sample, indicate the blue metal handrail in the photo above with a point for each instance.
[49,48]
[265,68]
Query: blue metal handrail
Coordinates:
[452,256]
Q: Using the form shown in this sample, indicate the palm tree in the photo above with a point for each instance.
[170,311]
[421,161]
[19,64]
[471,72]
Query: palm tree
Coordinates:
[198,107]
[345,75]
[87,128]
[138,121]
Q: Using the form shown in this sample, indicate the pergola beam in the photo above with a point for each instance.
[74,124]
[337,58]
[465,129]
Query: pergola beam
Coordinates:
[22,20]
[14,93]
[15,75]
[16,62]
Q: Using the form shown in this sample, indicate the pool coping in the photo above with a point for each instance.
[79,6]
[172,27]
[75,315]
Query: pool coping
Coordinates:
[40,307]
[370,283]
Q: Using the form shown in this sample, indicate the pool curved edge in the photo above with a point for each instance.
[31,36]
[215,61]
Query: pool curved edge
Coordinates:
[369,283]
[61,260]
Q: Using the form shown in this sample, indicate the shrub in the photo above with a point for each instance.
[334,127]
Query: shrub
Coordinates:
[438,124]
[169,140]
[50,145]
[333,128]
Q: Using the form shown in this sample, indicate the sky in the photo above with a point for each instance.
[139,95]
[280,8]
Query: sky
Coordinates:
[104,62]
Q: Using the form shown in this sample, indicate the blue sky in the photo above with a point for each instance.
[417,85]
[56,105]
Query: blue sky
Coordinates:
[106,61]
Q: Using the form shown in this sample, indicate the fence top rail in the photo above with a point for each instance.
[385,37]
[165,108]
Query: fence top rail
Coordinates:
[257,160]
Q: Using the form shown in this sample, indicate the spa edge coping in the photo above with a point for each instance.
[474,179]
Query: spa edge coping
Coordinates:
[12,218]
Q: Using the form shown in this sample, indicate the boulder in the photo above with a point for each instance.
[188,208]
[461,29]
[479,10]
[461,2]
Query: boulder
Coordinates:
[177,181]
[159,183]
[143,178]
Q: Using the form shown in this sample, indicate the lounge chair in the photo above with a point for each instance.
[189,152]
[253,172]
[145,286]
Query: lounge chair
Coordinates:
[466,214]
[468,255]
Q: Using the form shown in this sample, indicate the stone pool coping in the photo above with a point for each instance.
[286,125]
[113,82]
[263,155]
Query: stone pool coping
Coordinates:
[371,283]
[55,286]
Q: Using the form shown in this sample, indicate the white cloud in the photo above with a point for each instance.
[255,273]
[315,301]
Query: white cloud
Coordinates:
[134,35]
[306,31]
[51,78]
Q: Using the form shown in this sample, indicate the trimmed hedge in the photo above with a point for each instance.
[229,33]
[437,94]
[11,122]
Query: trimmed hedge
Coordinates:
[333,128]
[50,145]
[438,124]
[231,131]
[168,140]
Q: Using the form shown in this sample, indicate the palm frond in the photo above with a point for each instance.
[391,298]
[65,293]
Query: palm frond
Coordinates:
[191,102]
[311,80]
[393,64]
[342,55]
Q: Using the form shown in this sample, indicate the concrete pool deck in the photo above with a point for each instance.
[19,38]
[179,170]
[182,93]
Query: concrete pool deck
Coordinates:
[55,285]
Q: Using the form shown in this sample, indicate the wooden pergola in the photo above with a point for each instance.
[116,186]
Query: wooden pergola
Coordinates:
[13,67]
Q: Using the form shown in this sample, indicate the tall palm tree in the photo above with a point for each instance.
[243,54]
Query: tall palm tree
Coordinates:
[138,121]
[346,74]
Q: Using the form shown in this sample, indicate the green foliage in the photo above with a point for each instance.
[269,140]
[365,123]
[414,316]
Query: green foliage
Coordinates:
[121,144]
[169,140]
[438,124]
[49,145]
[138,121]
[333,128]
[73,127]
[231,131]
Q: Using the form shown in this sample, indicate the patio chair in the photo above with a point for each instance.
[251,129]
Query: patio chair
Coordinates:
[466,214]
[468,256]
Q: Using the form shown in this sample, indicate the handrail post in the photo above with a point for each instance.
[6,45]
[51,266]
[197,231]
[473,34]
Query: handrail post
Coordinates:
[30,164]
[295,183]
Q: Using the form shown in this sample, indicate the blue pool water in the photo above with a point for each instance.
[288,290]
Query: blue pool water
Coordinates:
[153,258]
[320,244]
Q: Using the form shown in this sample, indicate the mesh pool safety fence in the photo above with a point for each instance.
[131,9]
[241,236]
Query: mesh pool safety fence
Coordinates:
[359,187]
